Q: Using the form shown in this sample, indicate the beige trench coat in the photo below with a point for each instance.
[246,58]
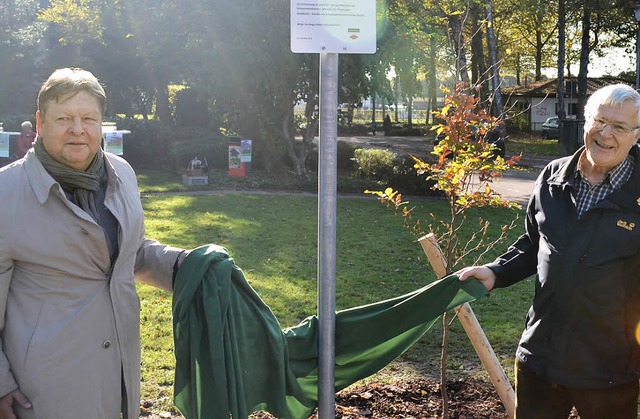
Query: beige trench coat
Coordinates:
[70,328]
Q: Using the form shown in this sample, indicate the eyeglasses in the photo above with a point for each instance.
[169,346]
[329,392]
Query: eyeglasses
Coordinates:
[616,129]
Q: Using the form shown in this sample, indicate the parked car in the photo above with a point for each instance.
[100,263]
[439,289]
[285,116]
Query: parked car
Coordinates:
[551,128]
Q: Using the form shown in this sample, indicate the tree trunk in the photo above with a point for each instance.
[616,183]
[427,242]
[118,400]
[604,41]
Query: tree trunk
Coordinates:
[479,73]
[373,108]
[538,56]
[457,37]
[350,111]
[561,58]
[584,61]
[162,104]
[495,67]
[298,150]
[433,92]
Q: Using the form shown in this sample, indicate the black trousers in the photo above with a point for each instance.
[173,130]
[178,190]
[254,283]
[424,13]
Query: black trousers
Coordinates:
[540,399]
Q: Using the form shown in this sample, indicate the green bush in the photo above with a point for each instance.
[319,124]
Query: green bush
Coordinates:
[354,130]
[345,158]
[374,163]
[192,110]
[407,181]
[151,145]
[404,131]
[387,169]
[143,148]
[198,142]
[518,124]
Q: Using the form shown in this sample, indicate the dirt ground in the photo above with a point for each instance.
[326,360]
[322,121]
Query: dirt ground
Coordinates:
[418,399]
[407,399]
[469,398]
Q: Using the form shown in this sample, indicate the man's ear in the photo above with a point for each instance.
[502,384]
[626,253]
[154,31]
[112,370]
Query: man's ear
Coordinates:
[39,122]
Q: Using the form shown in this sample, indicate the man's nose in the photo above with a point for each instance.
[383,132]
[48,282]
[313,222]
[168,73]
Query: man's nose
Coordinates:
[604,127]
[76,126]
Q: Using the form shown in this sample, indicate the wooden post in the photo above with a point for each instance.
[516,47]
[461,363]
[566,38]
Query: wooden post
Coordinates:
[474,330]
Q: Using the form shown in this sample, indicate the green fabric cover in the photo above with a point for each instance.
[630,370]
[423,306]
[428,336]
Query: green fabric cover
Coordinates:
[233,357]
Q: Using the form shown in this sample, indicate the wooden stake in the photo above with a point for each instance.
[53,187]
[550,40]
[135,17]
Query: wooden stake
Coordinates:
[474,330]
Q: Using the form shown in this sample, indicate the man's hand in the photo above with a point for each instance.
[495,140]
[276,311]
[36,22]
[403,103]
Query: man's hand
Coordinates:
[8,401]
[481,273]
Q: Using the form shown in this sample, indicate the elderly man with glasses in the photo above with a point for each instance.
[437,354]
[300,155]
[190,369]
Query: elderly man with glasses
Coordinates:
[580,344]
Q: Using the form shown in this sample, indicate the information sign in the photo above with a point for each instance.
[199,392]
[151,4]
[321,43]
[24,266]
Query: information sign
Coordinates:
[333,26]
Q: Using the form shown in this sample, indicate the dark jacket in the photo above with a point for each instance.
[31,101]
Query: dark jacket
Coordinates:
[580,330]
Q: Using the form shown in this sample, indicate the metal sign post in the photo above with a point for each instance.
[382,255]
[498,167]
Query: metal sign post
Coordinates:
[327,198]
[329,27]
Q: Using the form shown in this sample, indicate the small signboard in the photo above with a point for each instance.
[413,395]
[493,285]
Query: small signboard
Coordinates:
[113,142]
[239,156]
[333,26]
[4,144]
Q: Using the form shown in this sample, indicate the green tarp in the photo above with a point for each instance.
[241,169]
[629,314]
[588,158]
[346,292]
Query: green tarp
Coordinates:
[233,357]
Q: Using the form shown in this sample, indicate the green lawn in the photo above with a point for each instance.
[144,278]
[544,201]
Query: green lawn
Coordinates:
[532,144]
[273,238]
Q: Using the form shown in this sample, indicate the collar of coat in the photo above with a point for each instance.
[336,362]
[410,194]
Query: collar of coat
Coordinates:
[561,173]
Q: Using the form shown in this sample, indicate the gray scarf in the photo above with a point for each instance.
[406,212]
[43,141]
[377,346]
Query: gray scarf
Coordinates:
[83,185]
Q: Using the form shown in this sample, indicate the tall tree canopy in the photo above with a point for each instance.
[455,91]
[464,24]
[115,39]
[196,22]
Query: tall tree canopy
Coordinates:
[235,56]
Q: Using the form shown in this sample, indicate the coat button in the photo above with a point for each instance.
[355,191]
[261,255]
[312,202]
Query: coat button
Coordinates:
[583,257]
[106,344]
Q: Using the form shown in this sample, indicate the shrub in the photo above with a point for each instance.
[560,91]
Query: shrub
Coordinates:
[404,131]
[374,163]
[345,158]
[151,145]
[518,124]
[385,168]
[192,110]
[406,179]
[144,147]
[191,142]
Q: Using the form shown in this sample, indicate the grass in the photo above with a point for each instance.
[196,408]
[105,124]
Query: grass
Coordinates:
[273,238]
[532,144]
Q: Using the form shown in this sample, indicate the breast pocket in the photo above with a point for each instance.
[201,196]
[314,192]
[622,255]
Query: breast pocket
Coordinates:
[616,238]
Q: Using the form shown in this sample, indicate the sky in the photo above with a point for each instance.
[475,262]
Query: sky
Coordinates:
[611,64]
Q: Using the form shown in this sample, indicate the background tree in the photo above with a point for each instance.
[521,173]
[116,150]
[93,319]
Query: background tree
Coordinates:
[20,34]
[599,19]
[531,23]
[236,57]
[496,103]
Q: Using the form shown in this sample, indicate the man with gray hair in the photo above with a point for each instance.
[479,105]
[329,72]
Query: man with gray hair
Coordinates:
[582,242]
[69,313]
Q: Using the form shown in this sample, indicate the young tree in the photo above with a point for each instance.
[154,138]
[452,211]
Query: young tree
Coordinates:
[464,169]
